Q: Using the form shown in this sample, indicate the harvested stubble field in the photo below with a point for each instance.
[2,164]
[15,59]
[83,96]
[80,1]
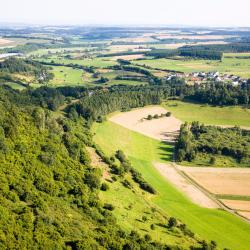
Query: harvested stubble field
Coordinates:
[185,186]
[227,181]
[163,129]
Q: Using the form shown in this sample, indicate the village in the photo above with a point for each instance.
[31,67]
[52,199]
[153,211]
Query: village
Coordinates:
[202,77]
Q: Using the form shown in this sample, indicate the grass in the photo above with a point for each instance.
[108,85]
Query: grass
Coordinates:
[233,197]
[132,205]
[13,85]
[230,115]
[66,76]
[226,229]
[235,66]
[95,62]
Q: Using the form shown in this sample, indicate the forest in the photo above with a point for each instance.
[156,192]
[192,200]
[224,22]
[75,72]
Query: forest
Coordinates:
[49,190]
[197,138]
[14,65]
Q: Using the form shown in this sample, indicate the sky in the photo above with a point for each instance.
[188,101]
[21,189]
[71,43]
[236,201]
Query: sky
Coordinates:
[127,12]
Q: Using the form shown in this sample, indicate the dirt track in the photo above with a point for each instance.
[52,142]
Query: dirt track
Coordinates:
[185,186]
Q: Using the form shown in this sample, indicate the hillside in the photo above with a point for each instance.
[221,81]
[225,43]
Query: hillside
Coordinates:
[50,190]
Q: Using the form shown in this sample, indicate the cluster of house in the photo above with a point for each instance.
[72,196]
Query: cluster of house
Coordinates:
[200,77]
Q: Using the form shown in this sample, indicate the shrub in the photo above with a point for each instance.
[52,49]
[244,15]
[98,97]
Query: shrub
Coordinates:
[108,206]
[172,222]
[104,187]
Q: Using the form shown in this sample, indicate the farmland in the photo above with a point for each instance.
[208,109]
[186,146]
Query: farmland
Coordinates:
[225,228]
[110,146]
[235,66]
[230,185]
[230,115]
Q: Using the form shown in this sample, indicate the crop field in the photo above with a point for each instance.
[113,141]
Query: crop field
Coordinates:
[5,42]
[224,182]
[228,230]
[230,115]
[163,128]
[235,66]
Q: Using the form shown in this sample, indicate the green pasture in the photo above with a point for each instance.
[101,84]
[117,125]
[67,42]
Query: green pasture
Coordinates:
[229,115]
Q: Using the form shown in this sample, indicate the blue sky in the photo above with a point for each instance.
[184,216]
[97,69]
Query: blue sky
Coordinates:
[149,12]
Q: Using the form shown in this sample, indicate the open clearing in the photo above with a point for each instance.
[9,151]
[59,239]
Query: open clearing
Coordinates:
[228,181]
[209,115]
[182,183]
[163,129]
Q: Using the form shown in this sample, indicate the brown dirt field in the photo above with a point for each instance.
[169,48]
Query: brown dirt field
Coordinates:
[230,181]
[245,214]
[185,186]
[128,57]
[5,42]
[163,129]
[237,205]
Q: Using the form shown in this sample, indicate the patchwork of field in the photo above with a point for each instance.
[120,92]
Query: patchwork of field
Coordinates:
[163,129]
[224,182]
[198,37]
[226,229]
[184,185]
[235,66]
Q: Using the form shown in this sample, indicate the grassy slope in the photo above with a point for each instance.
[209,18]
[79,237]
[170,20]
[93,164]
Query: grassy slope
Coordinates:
[228,230]
[208,114]
[234,66]
[132,205]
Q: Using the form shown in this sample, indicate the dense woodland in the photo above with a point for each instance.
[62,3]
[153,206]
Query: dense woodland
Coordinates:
[49,190]
[14,65]
[229,142]
[191,51]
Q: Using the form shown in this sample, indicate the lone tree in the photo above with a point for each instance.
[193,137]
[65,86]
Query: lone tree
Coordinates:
[149,117]
[172,222]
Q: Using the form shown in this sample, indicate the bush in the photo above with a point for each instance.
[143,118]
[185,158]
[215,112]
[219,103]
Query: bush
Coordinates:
[104,187]
[168,114]
[172,222]
[108,206]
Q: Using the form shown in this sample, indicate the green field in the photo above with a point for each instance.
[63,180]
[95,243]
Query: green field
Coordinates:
[230,115]
[67,76]
[95,62]
[133,204]
[226,229]
[240,67]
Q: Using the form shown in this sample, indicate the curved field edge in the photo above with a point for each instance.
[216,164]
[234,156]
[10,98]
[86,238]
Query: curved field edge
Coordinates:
[210,115]
[226,229]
